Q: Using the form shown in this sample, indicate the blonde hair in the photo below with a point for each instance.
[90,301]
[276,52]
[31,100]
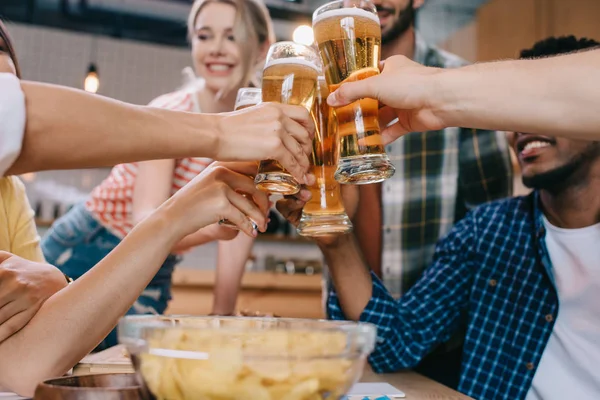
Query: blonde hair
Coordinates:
[253,29]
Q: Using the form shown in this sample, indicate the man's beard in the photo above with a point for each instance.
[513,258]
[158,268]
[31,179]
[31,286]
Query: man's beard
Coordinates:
[566,175]
[401,25]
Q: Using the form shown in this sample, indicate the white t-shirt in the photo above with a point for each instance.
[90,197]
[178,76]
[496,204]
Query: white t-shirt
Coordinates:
[12,120]
[570,365]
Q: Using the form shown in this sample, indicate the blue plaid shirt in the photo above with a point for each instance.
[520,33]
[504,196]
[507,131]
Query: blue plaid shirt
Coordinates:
[492,269]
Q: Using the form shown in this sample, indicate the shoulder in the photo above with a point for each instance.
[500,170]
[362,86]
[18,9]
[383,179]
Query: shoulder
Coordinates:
[13,193]
[11,185]
[508,212]
[180,100]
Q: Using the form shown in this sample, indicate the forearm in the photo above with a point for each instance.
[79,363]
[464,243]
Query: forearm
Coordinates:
[556,96]
[68,128]
[197,238]
[73,321]
[231,261]
[350,275]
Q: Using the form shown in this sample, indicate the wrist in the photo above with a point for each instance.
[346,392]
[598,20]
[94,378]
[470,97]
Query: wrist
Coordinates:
[446,94]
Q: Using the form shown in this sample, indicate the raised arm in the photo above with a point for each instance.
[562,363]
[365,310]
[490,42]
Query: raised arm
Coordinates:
[153,184]
[74,320]
[231,261]
[68,128]
[427,315]
[556,95]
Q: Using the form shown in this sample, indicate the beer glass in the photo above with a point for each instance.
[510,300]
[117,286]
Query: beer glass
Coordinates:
[246,97]
[324,213]
[289,77]
[349,39]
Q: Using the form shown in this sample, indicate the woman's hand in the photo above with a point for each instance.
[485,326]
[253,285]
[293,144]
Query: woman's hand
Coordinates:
[269,131]
[221,191]
[24,286]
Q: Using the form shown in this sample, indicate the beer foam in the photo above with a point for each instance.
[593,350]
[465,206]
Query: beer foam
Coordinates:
[294,60]
[344,12]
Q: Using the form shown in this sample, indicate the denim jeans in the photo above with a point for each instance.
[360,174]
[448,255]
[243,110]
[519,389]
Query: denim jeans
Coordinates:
[76,242]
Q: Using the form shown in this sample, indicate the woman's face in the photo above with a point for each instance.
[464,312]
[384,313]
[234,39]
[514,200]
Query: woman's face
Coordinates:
[6,63]
[217,57]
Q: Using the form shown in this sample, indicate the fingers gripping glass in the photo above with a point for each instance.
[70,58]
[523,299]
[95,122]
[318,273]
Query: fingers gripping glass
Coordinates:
[246,97]
[349,38]
[289,77]
[324,213]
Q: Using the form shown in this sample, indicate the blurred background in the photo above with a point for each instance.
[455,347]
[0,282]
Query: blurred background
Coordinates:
[135,50]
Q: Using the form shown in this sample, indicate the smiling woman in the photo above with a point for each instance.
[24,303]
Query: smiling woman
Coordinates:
[229,41]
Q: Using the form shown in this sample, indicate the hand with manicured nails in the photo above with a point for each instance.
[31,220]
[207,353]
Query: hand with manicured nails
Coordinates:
[404,89]
[269,131]
[221,191]
[24,286]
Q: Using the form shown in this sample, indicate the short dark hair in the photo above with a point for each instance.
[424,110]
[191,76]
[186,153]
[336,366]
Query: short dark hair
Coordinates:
[558,45]
[9,47]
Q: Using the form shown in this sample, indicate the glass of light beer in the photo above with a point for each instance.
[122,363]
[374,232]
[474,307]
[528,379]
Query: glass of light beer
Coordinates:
[349,38]
[324,213]
[289,77]
[246,97]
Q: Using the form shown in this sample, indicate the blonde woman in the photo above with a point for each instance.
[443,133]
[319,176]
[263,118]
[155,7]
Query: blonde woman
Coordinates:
[229,40]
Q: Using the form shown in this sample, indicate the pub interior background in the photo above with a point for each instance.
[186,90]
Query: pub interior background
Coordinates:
[139,50]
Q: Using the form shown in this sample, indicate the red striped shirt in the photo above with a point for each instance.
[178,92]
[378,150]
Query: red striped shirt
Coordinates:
[111,203]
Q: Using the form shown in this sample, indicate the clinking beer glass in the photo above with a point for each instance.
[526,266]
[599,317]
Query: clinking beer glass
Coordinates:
[349,38]
[324,213]
[289,77]
[246,97]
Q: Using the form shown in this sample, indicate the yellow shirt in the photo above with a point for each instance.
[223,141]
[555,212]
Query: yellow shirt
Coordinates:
[18,234]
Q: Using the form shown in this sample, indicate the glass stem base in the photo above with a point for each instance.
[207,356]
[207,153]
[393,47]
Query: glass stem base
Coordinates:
[277,183]
[362,170]
[315,225]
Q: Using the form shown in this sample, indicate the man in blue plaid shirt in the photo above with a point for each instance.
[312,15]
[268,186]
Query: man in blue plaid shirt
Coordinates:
[505,268]
[440,175]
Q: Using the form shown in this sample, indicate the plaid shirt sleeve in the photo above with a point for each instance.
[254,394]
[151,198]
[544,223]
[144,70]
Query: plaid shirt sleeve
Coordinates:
[429,313]
[485,168]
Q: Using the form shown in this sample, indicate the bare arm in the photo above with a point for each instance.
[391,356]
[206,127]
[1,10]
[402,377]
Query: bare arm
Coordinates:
[74,320]
[350,275]
[62,123]
[152,187]
[231,261]
[556,96]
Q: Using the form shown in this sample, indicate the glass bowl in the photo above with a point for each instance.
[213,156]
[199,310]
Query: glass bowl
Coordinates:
[237,358]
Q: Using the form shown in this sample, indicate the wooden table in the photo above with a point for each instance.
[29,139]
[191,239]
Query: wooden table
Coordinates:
[416,386]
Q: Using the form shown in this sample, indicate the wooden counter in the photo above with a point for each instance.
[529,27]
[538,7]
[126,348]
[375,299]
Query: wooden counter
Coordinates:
[295,296]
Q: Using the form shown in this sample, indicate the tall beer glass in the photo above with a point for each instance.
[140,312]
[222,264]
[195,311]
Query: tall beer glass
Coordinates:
[349,39]
[246,97]
[289,77]
[324,213]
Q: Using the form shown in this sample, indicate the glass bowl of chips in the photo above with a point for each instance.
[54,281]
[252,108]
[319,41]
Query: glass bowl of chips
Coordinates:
[238,358]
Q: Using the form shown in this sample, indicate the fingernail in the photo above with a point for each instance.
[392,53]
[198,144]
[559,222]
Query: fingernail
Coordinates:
[305,194]
[254,233]
[310,179]
[331,100]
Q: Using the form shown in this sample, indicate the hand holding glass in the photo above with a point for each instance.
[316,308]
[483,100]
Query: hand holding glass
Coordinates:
[246,97]
[289,77]
[324,213]
[349,38]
